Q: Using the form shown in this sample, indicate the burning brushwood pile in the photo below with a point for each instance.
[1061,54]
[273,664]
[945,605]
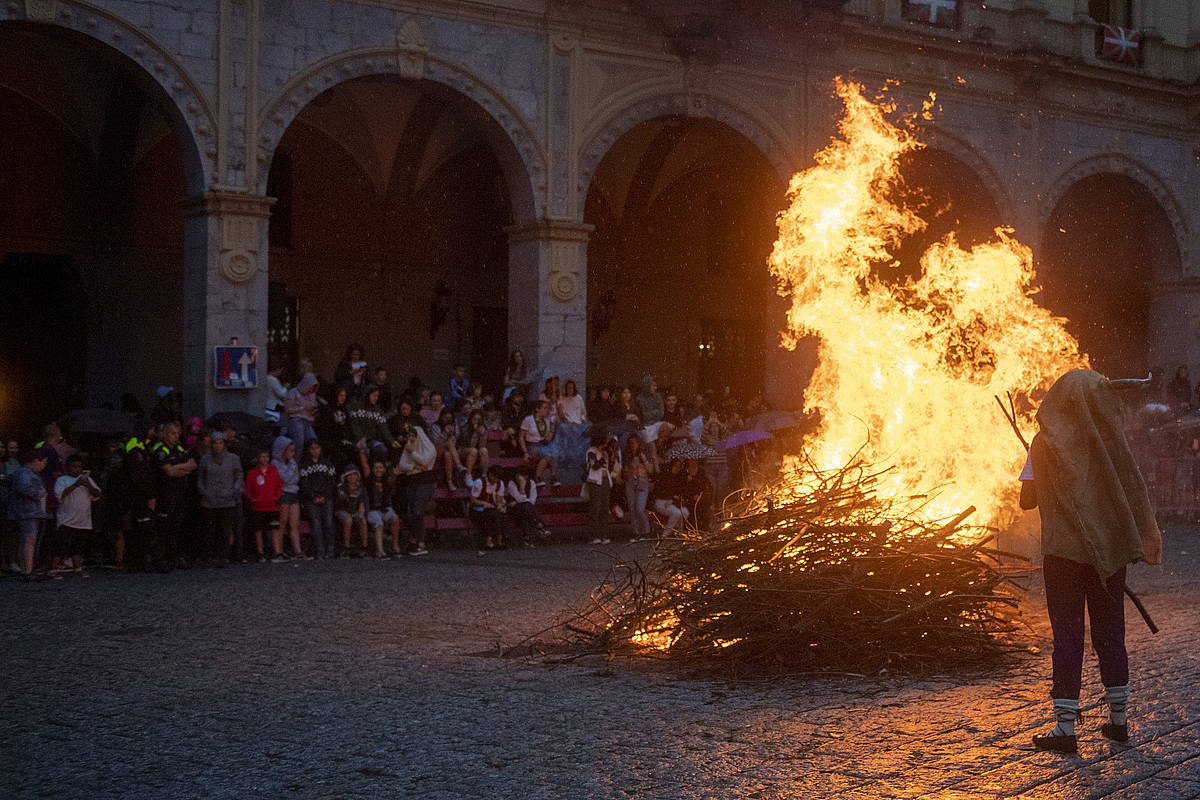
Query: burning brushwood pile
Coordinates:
[845,568]
[837,579]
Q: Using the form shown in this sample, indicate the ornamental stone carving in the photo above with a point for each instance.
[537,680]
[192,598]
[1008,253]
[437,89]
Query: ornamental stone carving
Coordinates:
[565,246]
[241,220]
[411,51]
[41,10]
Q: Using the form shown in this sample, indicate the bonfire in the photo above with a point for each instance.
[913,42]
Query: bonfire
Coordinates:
[872,548]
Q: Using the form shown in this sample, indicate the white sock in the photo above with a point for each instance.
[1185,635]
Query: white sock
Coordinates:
[1117,697]
[1065,714]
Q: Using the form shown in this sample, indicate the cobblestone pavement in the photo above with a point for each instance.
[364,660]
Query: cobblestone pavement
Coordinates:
[356,679]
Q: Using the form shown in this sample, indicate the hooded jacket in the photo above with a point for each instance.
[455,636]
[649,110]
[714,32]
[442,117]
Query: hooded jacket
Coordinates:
[368,422]
[1094,505]
[289,471]
[219,480]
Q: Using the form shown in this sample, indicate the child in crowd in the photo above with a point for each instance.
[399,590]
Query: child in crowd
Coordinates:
[472,443]
[536,434]
[318,487]
[76,491]
[487,505]
[351,510]
[371,434]
[460,385]
[445,439]
[263,489]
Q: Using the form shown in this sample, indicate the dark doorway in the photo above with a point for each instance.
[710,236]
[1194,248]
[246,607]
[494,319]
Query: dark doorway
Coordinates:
[42,341]
[489,350]
[283,329]
[731,354]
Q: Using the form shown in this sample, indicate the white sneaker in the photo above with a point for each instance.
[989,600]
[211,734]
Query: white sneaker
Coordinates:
[606,541]
[420,551]
[596,541]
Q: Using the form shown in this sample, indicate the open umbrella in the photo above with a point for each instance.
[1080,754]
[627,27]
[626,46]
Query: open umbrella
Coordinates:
[744,437]
[240,421]
[686,449]
[102,421]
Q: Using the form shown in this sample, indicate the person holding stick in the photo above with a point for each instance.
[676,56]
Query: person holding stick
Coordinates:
[1096,519]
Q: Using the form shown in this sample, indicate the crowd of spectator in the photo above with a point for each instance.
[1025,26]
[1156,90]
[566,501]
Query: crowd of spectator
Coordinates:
[360,462]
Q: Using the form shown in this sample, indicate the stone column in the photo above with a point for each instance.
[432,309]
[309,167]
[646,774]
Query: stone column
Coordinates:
[547,296]
[225,294]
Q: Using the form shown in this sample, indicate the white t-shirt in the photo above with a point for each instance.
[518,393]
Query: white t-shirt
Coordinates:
[76,510]
[571,409]
[529,496]
[529,425]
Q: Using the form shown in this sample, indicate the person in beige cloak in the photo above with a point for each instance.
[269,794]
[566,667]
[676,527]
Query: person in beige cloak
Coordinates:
[1096,520]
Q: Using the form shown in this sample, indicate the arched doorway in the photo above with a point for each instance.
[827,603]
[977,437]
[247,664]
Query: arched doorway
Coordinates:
[684,214]
[388,231]
[1107,242]
[91,227]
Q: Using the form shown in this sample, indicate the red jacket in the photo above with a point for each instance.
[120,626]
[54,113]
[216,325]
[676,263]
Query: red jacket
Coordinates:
[264,488]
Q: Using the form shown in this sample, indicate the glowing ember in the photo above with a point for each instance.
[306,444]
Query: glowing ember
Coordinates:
[908,369]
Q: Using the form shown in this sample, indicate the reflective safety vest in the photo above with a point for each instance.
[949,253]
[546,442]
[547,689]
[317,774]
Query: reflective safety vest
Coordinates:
[134,443]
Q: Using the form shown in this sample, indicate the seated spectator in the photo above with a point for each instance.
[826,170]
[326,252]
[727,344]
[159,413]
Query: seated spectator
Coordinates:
[522,507]
[387,398]
[371,434]
[672,410]
[404,420]
[381,513]
[431,411]
[668,488]
[350,511]
[460,385]
[300,406]
[27,507]
[276,393]
[220,483]
[474,401]
[445,440]
[602,408]
[335,430]
[571,432]
[76,491]
[472,443]
[515,373]
[263,489]
[318,490]
[487,504]
[535,435]
[552,393]
[511,416]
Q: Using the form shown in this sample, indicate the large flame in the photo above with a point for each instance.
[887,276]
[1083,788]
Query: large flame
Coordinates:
[908,369]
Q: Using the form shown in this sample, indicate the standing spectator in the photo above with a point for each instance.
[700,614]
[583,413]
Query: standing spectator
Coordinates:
[301,408]
[460,386]
[416,484]
[343,374]
[1180,391]
[522,506]
[369,425]
[263,489]
[650,404]
[55,449]
[318,490]
[515,373]
[9,464]
[276,393]
[381,512]
[27,507]
[283,459]
[351,510]
[487,504]
[601,470]
[636,471]
[193,434]
[536,434]
[76,491]
[220,483]
[695,493]
[387,398]
[431,412]
[140,482]
[169,407]
[174,465]
[334,428]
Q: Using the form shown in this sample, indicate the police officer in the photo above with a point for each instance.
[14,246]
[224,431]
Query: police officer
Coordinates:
[173,466]
[139,484]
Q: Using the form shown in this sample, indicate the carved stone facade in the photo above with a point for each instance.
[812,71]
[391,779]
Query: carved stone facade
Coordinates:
[1024,101]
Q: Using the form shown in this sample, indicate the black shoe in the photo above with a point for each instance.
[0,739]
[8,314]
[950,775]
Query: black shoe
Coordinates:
[1118,733]
[1058,744]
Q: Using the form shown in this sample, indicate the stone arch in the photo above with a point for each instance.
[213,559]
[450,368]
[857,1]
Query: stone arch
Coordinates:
[522,158]
[188,110]
[660,102]
[936,138]
[1120,164]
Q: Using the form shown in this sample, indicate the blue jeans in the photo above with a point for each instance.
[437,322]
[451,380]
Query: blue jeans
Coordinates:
[637,494]
[300,431]
[320,520]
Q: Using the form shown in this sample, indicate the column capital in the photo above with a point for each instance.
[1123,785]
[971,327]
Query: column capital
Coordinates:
[222,202]
[549,230]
